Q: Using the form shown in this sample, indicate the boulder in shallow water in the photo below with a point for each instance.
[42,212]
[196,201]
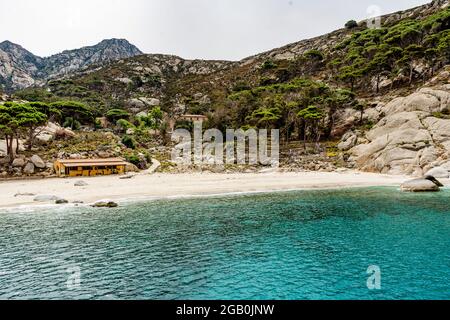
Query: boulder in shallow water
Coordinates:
[80,184]
[105,204]
[427,184]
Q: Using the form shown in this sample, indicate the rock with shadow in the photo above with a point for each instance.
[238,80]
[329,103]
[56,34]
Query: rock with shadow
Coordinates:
[425,184]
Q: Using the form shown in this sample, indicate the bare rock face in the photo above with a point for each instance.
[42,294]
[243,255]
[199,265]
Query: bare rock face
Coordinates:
[349,140]
[438,172]
[410,139]
[20,69]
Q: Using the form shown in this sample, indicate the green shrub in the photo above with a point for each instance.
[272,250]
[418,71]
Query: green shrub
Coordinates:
[269,65]
[114,115]
[351,24]
[132,158]
[314,55]
[71,123]
[124,125]
[129,142]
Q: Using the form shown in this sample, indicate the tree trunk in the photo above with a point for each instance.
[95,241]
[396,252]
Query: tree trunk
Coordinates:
[378,83]
[304,135]
[17,145]
[330,126]
[316,125]
[10,151]
[411,71]
[7,144]
[30,139]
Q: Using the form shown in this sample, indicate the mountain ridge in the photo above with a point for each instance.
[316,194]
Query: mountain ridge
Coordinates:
[20,68]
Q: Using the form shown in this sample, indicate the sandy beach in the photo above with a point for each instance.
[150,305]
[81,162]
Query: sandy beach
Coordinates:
[142,186]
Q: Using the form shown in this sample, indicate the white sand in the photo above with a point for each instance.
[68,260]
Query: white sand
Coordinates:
[179,185]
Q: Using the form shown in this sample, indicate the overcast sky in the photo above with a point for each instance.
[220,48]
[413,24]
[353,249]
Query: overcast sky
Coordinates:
[206,29]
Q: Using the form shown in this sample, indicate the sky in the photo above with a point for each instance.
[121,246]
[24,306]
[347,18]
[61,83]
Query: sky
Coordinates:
[203,29]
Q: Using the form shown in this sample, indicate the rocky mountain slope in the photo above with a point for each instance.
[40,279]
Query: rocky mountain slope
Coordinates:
[20,68]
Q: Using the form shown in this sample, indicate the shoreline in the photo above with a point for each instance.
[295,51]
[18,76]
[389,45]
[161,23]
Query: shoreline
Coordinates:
[144,187]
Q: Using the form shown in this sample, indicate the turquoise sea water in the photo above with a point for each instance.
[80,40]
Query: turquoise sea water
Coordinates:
[294,245]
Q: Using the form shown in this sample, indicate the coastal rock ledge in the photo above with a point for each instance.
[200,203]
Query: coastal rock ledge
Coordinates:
[426,184]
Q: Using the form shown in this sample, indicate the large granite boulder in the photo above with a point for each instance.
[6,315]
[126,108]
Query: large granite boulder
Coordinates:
[426,184]
[51,130]
[38,162]
[29,168]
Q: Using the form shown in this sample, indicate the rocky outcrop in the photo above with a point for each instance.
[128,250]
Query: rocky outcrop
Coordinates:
[349,140]
[411,138]
[51,131]
[439,172]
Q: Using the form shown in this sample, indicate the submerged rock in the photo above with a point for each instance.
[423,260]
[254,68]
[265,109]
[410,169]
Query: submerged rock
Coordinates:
[426,184]
[105,204]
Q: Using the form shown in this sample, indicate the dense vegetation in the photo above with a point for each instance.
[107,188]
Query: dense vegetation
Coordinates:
[393,51]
